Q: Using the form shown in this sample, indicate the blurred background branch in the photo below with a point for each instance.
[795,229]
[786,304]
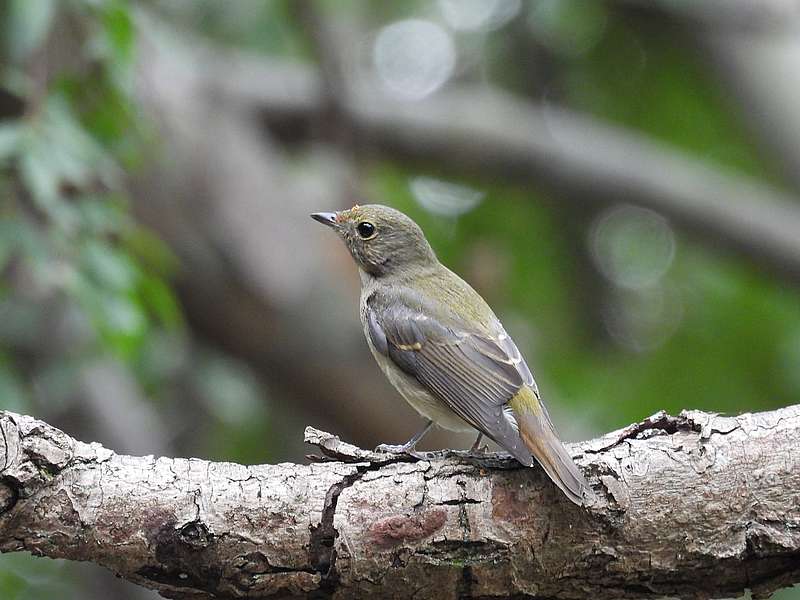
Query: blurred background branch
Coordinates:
[763,16]
[488,134]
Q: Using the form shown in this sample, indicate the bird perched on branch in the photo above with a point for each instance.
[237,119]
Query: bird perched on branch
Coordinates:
[443,348]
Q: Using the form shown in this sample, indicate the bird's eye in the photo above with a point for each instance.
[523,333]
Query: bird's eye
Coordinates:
[366,230]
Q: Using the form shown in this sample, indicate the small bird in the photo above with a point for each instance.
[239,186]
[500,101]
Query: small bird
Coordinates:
[442,347]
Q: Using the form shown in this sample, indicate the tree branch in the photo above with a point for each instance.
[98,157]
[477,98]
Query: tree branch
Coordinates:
[735,16]
[696,505]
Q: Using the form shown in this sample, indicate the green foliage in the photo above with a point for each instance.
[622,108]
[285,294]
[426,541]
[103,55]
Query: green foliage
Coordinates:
[65,222]
[68,245]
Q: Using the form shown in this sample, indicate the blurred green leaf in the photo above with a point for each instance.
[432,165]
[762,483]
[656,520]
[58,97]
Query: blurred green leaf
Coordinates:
[10,137]
[122,316]
[118,30]
[19,236]
[39,177]
[102,215]
[25,25]
[110,267]
[154,254]
[78,157]
[160,300]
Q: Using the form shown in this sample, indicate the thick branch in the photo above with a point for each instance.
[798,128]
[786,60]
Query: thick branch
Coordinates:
[696,505]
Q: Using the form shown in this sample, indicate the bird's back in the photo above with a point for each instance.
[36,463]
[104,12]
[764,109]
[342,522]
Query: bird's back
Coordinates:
[448,289]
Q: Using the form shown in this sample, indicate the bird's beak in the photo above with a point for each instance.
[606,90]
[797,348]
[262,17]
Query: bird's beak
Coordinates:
[326,218]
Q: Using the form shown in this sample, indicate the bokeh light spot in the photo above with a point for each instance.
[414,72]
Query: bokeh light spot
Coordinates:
[413,58]
[478,15]
[443,197]
[643,320]
[632,246]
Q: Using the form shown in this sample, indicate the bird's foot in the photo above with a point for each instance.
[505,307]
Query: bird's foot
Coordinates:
[408,450]
[477,451]
[393,448]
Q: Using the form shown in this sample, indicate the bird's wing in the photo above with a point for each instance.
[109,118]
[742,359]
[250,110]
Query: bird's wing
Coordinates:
[474,373]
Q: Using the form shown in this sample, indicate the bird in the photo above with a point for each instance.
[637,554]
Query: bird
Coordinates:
[443,348]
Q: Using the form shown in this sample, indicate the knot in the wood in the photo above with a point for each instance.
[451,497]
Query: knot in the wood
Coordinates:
[195,534]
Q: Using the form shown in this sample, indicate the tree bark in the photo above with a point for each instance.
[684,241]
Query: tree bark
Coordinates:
[698,505]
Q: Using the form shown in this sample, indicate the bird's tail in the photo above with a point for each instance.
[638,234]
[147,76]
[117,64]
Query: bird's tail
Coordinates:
[539,436]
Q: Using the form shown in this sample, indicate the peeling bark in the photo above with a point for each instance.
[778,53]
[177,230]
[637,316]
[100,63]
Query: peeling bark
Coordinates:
[698,505]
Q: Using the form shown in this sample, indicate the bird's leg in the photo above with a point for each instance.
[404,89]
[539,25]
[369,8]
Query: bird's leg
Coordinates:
[408,447]
[476,451]
[476,446]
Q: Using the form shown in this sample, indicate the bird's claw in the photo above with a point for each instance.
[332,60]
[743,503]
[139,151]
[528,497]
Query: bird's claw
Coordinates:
[478,451]
[392,449]
[405,449]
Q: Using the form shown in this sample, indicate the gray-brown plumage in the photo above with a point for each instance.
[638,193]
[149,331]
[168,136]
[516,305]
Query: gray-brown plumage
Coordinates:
[443,348]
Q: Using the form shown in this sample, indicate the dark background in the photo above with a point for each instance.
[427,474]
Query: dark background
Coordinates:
[620,180]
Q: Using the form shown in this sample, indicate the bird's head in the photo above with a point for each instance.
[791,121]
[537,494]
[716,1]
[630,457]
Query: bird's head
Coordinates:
[382,240]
